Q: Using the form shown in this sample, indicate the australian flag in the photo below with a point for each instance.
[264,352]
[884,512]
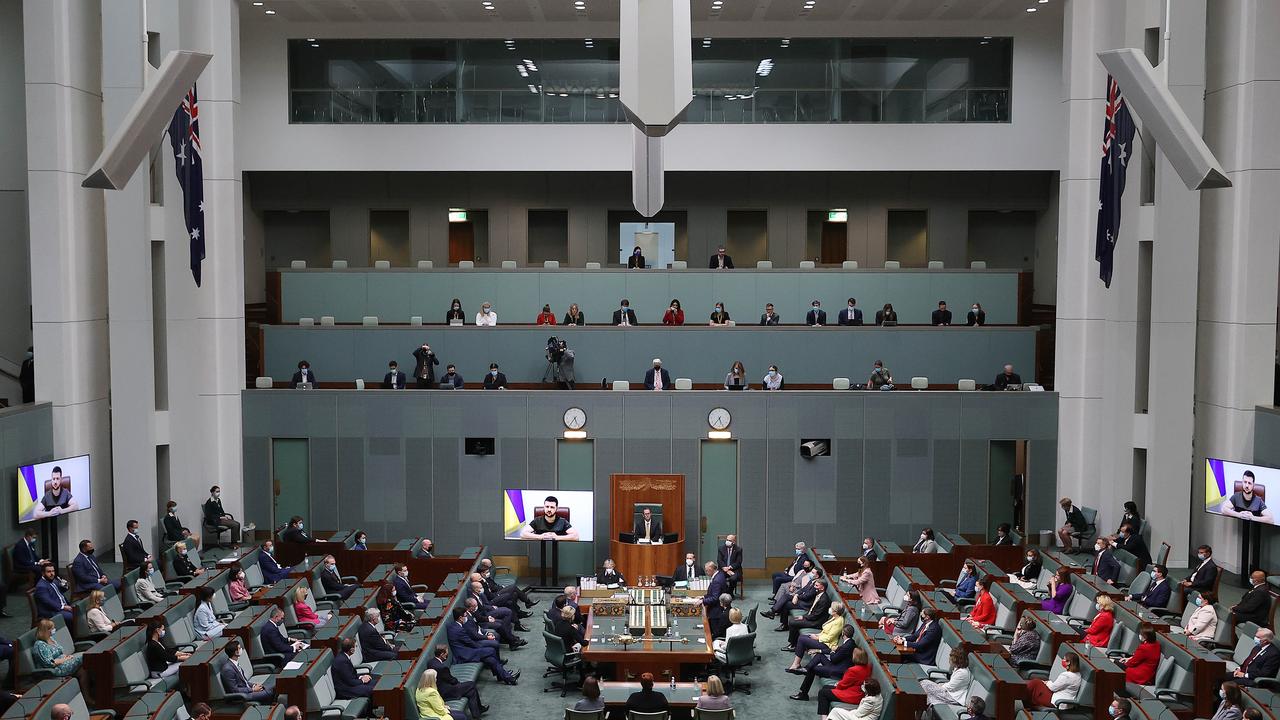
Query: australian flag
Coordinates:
[1117,147]
[184,135]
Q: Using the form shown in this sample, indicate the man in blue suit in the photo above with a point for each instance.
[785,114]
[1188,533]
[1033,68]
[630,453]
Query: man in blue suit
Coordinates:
[827,665]
[50,598]
[235,681]
[374,647]
[271,571]
[790,572]
[1158,592]
[404,590]
[86,571]
[924,641]
[1105,564]
[716,587]
[273,638]
[466,648]
[347,684]
[851,315]
[25,558]
[657,377]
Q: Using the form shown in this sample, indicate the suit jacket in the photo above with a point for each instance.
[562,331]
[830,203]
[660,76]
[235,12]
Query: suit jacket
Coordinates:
[493,382]
[274,642]
[941,317]
[1254,606]
[717,620]
[346,683]
[393,381]
[1003,381]
[569,634]
[454,380]
[295,535]
[374,647]
[1263,662]
[684,573]
[404,591]
[631,317]
[212,511]
[610,578]
[271,570]
[842,657]
[233,678]
[650,701]
[444,676]
[1204,576]
[925,546]
[978,318]
[1157,596]
[850,316]
[425,362]
[655,528]
[172,528]
[1003,540]
[49,599]
[87,572]
[730,557]
[133,551]
[331,582]
[298,378]
[714,264]
[924,641]
[1137,547]
[882,317]
[648,379]
[770,319]
[464,646]
[870,553]
[636,261]
[818,609]
[25,556]
[815,317]
[1106,566]
[715,589]
[182,565]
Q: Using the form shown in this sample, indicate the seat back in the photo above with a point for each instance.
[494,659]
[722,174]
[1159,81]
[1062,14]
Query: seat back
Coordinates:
[339,264]
[637,715]
[892,265]
[935,265]
[508,264]
[764,264]
[1128,566]
[679,265]
[1162,556]
[919,383]
[1123,639]
[1222,632]
[571,714]
[966,384]
[683,383]
[621,385]
[326,321]
[1006,619]
[298,264]
[840,383]
[804,265]
[263,382]
[551,264]
[849,265]
[1141,582]
[306,321]
[381,264]
[466,264]
[556,651]
[978,265]
[740,650]
[703,714]
[369,320]
[592,266]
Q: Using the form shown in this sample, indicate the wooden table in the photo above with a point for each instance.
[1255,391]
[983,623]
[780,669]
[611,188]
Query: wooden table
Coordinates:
[636,560]
[653,655]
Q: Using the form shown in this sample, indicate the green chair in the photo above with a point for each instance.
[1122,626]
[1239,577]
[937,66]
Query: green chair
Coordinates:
[703,714]
[637,715]
[739,652]
[560,661]
[571,714]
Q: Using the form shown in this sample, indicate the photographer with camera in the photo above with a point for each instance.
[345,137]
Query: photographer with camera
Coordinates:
[424,372]
[559,363]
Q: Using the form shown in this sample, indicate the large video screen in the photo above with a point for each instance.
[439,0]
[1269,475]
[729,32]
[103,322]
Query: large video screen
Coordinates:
[565,515]
[54,488]
[1240,491]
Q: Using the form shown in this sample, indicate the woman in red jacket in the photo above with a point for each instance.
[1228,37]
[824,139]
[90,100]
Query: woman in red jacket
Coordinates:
[849,689]
[984,610]
[304,612]
[546,317]
[1140,669]
[1099,632]
[674,314]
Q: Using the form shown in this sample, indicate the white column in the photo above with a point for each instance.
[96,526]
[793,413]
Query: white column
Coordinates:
[62,43]
[15,284]
[1240,248]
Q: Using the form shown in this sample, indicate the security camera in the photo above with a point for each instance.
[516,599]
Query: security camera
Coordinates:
[813,448]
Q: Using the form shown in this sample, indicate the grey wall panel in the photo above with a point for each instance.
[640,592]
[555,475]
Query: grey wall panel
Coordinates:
[26,437]
[900,461]
[704,354]
[257,475]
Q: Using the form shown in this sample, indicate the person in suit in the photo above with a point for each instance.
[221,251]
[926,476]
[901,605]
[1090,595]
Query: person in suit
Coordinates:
[304,375]
[941,316]
[451,688]
[817,613]
[273,637]
[1006,378]
[793,595]
[636,261]
[373,646]
[485,629]
[182,565]
[624,315]
[455,312]
[1205,575]
[1158,592]
[720,261]
[1004,534]
[451,377]
[491,617]
[923,643]
[816,317]
[657,377]
[851,315]
[51,597]
[215,515]
[466,647]
[295,532]
[394,379]
[496,591]
[926,543]
[769,317]
[234,679]
[87,573]
[886,314]
[347,684]
[686,571]
[1255,606]
[715,588]
[331,581]
[869,548]
[779,578]
[569,631]
[609,574]
[404,590]
[174,531]
[424,368]
[831,664]
[645,699]
[647,526]
[1105,564]
[131,548]
[1075,522]
[272,572]
[729,558]
[1130,541]
[25,557]
[718,616]
[976,316]
[1263,661]
[496,379]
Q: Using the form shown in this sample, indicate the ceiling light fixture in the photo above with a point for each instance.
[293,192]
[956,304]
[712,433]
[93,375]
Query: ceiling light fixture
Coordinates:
[1031,9]
[315,44]
[270,12]
[257,4]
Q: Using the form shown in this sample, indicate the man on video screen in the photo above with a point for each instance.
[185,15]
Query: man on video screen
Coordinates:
[548,525]
[57,499]
[1245,504]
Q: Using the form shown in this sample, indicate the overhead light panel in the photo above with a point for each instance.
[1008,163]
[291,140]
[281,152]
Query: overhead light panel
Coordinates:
[270,12]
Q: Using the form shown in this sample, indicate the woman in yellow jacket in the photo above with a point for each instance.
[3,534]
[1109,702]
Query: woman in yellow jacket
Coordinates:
[430,703]
[824,641]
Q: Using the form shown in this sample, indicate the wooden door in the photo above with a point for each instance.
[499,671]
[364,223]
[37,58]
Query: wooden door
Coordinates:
[835,246]
[462,242]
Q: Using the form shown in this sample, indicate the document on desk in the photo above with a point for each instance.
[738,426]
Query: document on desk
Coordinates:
[292,665]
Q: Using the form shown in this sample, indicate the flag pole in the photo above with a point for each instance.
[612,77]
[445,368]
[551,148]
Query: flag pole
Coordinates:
[1164,50]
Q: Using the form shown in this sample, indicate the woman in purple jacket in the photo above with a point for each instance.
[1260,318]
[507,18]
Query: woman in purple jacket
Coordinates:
[1059,592]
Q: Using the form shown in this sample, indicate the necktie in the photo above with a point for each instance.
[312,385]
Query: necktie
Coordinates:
[1252,656]
[61,600]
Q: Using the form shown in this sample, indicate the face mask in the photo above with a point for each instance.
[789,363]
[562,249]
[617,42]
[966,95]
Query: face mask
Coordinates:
[624,308]
[974,308]
[728,543]
[493,372]
[268,549]
[1064,663]
[162,631]
[182,553]
[866,546]
[1115,711]
[1200,555]
[1097,606]
[299,526]
[718,308]
[922,537]
[815,307]
[1030,558]
[240,577]
[850,306]
[456,306]
[360,541]
[219,494]
[1256,641]
[1199,601]
[1222,693]
[689,563]
[964,571]
[1153,575]
[331,566]
[799,552]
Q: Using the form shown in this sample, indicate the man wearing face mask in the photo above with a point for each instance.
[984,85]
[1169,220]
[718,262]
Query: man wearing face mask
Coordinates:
[424,371]
[486,317]
[271,571]
[687,571]
[496,379]
[624,315]
[234,679]
[1206,573]
[467,647]
[373,646]
[131,548]
[851,315]
[27,376]
[795,568]
[1158,592]
[394,379]
[1263,661]
[275,640]
[1119,708]
[296,532]
[88,574]
[1256,603]
[1130,541]
[1105,564]
[332,581]
[869,549]
[816,317]
[215,516]
[729,558]
[425,549]
[405,592]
